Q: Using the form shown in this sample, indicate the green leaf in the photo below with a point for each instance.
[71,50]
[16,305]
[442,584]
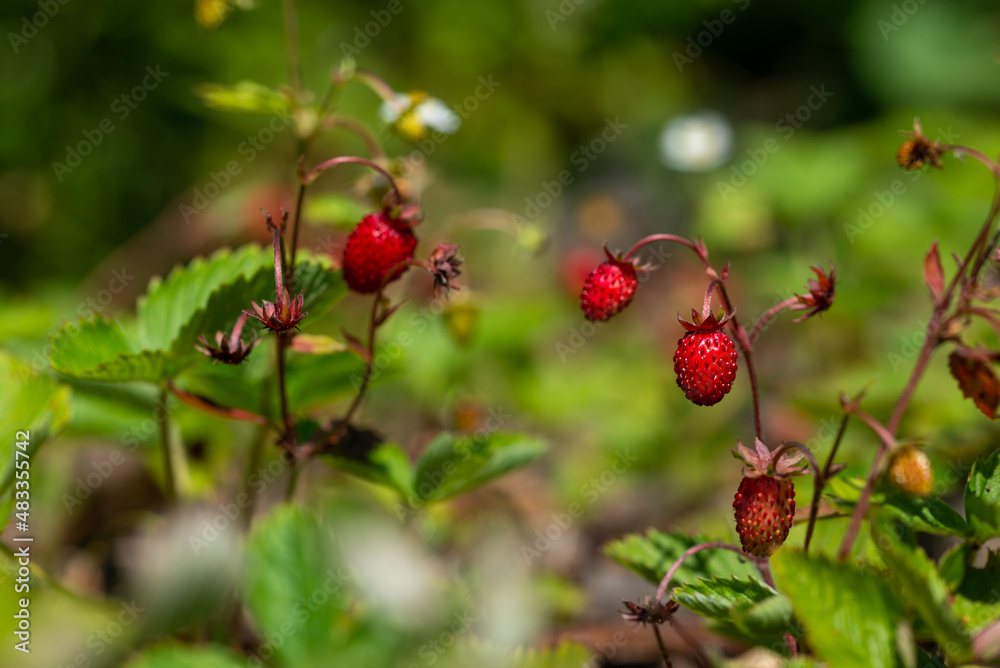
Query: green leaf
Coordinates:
[982,497]
[951,565]
[848,611]
[450,466]
[926,515]
[652,555]
[202,297]
[335,209]
[922,587]
[174,656]
[316,380]
[294,587]
[977,602]
[322,286]
[245,96]
[32,403]
[386,465]
[482,655]
[717,598]
[100,350]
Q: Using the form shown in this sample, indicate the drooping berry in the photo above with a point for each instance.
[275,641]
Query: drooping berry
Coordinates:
[705,360]
[377,244]
[910,471]
[608,289]
[764,505]
[764,508]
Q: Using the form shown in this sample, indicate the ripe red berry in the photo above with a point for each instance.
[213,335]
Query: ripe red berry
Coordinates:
[705,361]
[377,244]
[608,289]
[764,507]
[910,471]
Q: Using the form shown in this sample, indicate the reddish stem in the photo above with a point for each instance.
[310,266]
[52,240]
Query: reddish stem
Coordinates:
[312,174]
[821,482]
[694,549]
[770,313]
[653,238]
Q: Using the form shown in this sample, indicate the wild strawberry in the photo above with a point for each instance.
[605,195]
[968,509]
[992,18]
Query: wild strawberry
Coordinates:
[705,360]
[910,471]
[378,243]
[764,505]
[608,289]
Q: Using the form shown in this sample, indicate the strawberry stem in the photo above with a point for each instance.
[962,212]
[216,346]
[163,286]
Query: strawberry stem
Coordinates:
[694,549]
[770,313]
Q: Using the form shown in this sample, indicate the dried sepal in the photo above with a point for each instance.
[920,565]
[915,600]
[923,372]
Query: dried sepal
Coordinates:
[231,349]
[976,378]
[919,150]
[761,461]
[649,611]
[821,294]
[445,267]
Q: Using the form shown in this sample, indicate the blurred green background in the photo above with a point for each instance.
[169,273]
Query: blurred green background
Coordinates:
[819,188]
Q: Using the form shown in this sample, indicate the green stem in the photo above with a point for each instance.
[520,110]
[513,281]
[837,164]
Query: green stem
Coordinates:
[165,447]
[292,45]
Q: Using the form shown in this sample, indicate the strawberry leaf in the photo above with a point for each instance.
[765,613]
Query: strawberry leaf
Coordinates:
[861,630]
[982,497]
[173,656]
[922,587]
[652,554]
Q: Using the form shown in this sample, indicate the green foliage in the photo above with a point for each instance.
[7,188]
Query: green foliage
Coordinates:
[982,497]
[652,555]
[169,656]
[564,655]
[335,209]
[927,515]
[245,96]
[922,587]
[849,612]
[746,609]
[386,465]
[451,465]
[294,587]
[201,298]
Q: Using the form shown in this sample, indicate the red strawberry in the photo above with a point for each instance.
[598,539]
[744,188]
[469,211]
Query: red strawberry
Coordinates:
[608,289]
[764,505]
[377,244]
[705,361]
[910,471]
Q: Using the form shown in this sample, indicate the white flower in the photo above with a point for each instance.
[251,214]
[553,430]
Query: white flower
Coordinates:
[415,113]
[696,143]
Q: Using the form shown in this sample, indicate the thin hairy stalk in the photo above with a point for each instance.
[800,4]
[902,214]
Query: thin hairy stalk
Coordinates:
[165,447]
[312,174]
[694,549]
[746,346]
[359,130]
[296,222]
[770,313]
[692,642]
[288,437]
[886,443]
[663,648]
[369,358]
[821,481]
[653,238]
[292,45]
